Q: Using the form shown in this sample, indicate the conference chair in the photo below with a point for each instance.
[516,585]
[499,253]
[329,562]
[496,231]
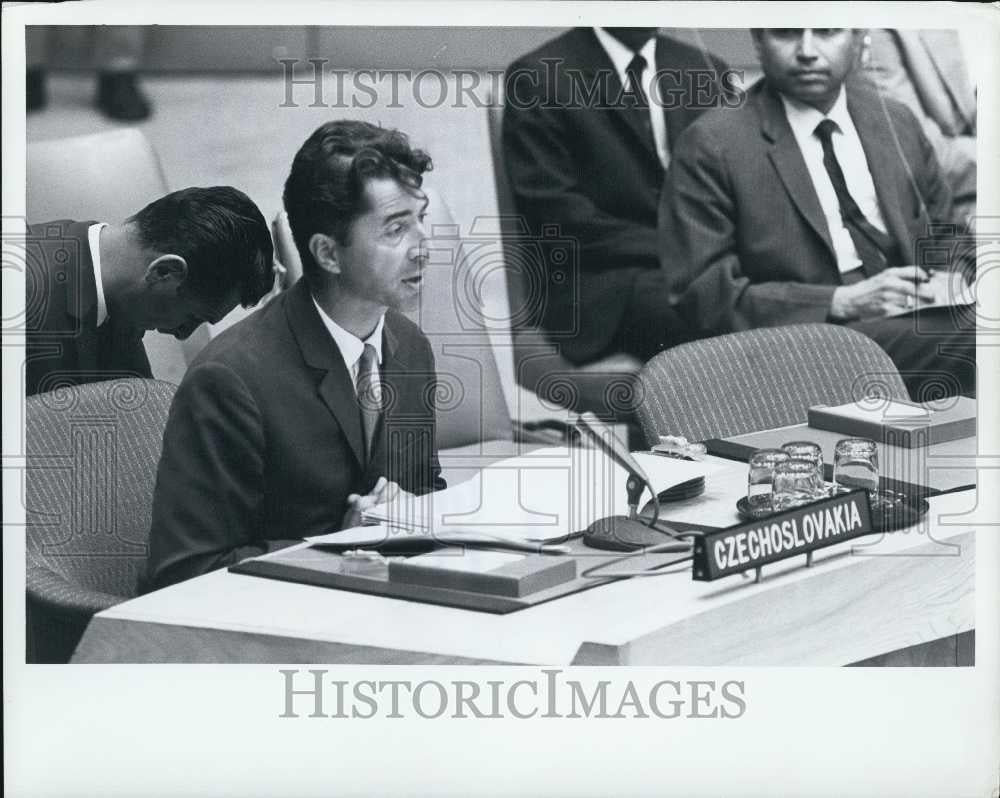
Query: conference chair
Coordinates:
[92,452]
[606,387]
[106,177]
[760,379]
[471,410]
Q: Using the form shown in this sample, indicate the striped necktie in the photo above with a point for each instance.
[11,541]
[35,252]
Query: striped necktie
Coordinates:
[369,391]
[875,248]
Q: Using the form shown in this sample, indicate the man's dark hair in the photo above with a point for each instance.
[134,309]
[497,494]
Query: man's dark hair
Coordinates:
[221,234]
[324,192]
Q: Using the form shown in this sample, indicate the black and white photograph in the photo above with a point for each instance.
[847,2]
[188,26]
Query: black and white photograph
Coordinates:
[501,385]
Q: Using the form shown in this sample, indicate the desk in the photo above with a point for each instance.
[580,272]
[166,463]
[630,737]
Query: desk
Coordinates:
[860,599]
[942,466]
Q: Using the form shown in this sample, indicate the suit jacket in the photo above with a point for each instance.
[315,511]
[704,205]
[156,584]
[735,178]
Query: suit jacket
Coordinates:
[740,220]
[924,70]
[264,440]
[592,171]
[64,344]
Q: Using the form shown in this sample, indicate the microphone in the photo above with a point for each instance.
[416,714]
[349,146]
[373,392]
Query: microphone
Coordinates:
[619,532]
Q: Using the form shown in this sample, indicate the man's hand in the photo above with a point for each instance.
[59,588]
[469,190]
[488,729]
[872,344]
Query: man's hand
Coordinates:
[383,493]
[891,291]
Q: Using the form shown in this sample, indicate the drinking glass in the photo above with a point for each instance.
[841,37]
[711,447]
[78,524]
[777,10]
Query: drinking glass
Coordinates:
[813,452]
[794,484]
[855,465]
[760,482]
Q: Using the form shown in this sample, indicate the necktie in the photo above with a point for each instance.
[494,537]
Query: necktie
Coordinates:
[636,99]
[633,75]
[874,247]
[369,396]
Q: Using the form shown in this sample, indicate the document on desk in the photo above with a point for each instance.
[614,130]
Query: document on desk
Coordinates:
[950,291]
[542,497]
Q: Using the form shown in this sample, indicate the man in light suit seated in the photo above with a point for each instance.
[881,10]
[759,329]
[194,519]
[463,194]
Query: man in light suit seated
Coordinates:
[926,71]
[812,203]
[295,420]
[94,288]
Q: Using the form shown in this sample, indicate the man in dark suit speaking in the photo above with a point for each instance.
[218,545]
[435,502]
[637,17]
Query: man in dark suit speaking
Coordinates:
[94,288]
[812,203]
[589,123]
[294,421]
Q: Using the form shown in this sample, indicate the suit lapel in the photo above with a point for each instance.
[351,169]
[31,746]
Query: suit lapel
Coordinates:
[890,176]
[335,387]
[791,167]
[667,59]
[393,378]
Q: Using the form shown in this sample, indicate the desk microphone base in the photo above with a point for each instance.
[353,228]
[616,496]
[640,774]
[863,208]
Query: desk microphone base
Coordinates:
[620,533]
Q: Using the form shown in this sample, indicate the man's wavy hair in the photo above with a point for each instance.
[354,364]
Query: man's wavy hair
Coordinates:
[324,192]
[222,236]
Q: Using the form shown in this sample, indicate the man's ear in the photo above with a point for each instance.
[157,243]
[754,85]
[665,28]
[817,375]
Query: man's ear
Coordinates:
[167,269]
[324,252]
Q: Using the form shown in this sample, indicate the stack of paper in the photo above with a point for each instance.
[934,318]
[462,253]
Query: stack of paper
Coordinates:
[543,496]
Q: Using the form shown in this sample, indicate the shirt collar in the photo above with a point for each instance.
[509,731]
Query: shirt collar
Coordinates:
[350,345]
[94,241]
[621,56]
[804,118]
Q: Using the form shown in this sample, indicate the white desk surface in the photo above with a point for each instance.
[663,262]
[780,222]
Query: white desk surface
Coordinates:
[855,602]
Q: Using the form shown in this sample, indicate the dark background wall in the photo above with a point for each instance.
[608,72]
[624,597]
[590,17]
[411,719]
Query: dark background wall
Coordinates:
[175,48]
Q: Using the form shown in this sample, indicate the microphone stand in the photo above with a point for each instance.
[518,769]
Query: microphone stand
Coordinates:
[620,532]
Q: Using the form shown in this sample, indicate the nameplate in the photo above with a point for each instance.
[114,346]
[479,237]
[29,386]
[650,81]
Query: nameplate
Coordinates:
[789,534]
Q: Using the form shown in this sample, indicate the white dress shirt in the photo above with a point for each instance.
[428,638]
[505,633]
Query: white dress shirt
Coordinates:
[94,240]
[351,347]
[621,56]
[851,155]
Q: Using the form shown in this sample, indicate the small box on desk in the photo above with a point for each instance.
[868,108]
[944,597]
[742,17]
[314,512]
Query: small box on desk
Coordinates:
[899,423]
[500,573]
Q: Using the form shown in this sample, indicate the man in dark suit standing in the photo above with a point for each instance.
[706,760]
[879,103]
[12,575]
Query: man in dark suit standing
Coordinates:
[94,288]
[294,421]
[590,120]
[813,203]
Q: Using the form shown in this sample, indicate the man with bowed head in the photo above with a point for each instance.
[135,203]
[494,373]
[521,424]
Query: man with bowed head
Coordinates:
[94,288]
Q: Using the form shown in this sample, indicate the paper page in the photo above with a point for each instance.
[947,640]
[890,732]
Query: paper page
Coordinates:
[543,496]
[361,536]
[466,560]
[950,290]
[880,411]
